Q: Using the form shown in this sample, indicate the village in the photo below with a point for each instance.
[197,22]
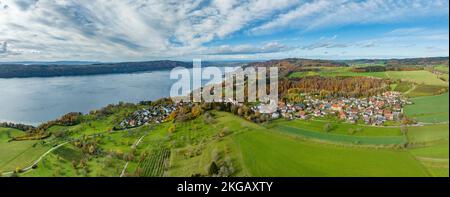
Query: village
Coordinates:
[155,114]
[374,110]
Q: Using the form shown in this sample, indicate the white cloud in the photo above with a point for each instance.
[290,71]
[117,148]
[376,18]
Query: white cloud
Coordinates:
[156,29]
[126,28]
[271,47]
[324,13]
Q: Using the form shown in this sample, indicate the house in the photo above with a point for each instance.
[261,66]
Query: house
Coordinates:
[275,115]
[302,114]
[317,113]
[336,107]
[342,115]
[388,114]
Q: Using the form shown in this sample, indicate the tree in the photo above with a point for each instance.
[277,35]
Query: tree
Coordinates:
[172,116]
[327,127]
[172,129]
[196,111]
[213,169]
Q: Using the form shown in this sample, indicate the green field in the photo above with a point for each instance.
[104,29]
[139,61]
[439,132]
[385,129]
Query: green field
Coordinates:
[268,154]
[303,74]
[337,127]
[432,151]
[434,158]
[255,150]
[337,71]
[430,109]
[420,77]
[420,90]
[337,138]
[18,154]
[340,132]
[442,68]
[428,133]
[403,87]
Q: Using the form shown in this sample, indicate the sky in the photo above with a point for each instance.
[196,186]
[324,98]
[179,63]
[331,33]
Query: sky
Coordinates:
[139,30]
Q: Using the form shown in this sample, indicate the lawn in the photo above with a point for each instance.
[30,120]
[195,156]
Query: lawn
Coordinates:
[342,128]
[420,77]
[267,153]
[7,133]
[17,153]
[442,68]
[434,158]
[428,133]
[430,109]
[403,86]
[340,132]
[337,71]
[420,90]
[339,138]
[59,163]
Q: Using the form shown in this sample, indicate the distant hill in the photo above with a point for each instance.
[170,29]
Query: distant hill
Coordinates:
[51,63]
[287,66]
[290,65]
[53,70]
[403,62]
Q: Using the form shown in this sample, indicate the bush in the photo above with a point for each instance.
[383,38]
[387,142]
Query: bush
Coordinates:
[172,129]
[327,127]
[208,118]
[224,132]
[213,169]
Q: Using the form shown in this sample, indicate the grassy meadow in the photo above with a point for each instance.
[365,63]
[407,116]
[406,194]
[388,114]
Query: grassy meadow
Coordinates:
[430,109]
[419,77]
[430,148]
[18,154]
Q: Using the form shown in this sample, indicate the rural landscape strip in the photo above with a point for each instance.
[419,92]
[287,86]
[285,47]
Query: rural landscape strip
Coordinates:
[377,128]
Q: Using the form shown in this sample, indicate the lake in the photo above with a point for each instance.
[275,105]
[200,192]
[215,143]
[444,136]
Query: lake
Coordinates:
[37,100]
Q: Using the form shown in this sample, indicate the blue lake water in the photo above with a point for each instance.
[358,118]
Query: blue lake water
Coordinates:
[37,100]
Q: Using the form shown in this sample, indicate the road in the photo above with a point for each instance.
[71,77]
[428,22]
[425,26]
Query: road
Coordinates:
[135,144]
[24,170]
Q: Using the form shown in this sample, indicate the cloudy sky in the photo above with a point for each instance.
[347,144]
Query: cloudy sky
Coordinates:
[134,30]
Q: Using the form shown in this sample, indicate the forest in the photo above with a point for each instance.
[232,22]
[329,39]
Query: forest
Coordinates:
[334,86]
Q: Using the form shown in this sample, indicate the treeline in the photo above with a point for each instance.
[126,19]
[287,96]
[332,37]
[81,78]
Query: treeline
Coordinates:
[290,65]
[186,113]
[333,86]
[369,69]
[417,61]
[403,62]
[51,70]
[389,68]
[21,127]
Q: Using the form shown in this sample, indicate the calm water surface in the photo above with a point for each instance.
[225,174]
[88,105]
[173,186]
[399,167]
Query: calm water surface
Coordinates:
[36,100]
